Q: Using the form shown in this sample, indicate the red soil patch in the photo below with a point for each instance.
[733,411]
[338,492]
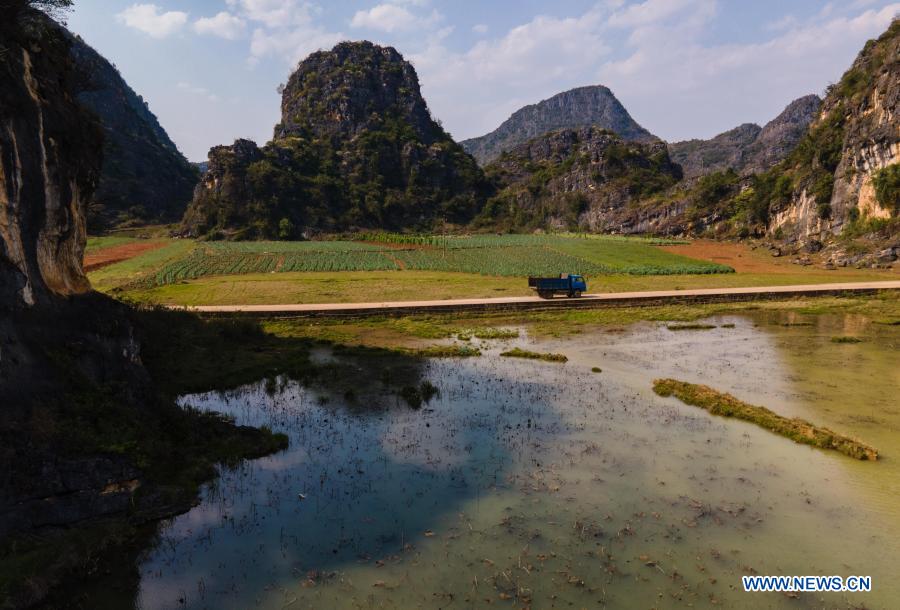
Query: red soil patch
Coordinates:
[116,254]
[739,257]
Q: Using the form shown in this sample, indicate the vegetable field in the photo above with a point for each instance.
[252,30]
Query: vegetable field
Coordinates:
[495,255]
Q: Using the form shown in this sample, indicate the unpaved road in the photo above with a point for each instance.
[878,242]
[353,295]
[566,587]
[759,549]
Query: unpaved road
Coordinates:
[526,303]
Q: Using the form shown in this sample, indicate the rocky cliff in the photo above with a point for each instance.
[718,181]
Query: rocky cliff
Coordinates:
[144,178]
[581,107]
[748,148]
[575,179]
[356,147]
[82,427]
[49,164]
[50,327]
[845,170]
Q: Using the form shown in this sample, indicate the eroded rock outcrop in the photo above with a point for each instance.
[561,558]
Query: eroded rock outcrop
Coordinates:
[50,155]
[573,109]
[81,423]
[356,147]
[854,140]
[576,178]
[748,148]
[49,163]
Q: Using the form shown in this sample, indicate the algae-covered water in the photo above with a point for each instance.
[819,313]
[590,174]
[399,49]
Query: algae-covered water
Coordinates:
[546,485]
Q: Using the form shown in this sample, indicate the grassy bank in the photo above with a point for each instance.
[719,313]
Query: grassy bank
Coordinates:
[416,331]
[529,355]
[380,286]
[798,430]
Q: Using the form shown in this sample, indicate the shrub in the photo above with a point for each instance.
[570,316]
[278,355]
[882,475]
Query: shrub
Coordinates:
[887,187]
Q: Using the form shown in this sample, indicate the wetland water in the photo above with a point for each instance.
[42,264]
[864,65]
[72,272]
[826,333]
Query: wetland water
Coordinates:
[546,485]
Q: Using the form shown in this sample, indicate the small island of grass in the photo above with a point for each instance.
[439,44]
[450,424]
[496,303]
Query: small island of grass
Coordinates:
[798,430]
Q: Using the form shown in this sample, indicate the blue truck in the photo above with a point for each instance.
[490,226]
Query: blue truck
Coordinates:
[568,284]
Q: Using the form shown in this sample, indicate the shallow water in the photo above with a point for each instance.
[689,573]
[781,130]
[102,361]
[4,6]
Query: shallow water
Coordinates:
[546,485]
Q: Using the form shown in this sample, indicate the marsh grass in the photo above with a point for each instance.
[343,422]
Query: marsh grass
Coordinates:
[693,326]
[487,334]
[522,353]
[798,430]
[846,340]
[446,351]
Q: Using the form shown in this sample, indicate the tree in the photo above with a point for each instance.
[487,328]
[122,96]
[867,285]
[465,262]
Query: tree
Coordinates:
[285,228]
[54,8]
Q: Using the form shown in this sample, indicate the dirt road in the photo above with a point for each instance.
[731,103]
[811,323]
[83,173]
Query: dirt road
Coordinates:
[533,303]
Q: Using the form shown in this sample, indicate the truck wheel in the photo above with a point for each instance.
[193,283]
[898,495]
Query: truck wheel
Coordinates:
[570,295]
[577,294]
[544,294]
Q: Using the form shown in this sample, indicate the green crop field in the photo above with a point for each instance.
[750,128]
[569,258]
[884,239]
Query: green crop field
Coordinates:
[492,255]
[99,243]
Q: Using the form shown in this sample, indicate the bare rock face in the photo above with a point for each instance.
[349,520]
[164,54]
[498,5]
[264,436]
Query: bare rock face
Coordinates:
[576,178]
[781,135]
[45,178]
[748,148]
[854,139]
[573,109]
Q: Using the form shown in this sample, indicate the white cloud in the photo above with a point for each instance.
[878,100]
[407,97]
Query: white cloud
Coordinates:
[276,13]
[710,88]
[392,18]
[224,25]
[480,28]
[148,18]
[654,11]
[292,45]
[283,29]
[473,91]
[656,57]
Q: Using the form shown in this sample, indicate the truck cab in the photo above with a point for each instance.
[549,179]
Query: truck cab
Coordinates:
[577,284]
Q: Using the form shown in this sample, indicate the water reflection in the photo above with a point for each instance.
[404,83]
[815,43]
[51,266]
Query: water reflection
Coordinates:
[547,485]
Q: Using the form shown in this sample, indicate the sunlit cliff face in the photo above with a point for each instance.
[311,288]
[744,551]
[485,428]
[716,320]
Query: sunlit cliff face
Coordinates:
[49,157]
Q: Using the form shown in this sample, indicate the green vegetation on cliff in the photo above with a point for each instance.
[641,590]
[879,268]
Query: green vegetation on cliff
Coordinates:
[555,180]
[887,187]
[356,148]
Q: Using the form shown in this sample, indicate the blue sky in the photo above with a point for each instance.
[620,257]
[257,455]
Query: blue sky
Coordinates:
[683,68]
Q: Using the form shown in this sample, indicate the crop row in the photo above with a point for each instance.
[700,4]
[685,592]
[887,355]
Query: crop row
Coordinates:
[519,255]
[202,262]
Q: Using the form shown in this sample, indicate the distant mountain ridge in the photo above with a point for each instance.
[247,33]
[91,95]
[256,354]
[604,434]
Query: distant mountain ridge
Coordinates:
[748,148]
[575,179]
[144,177]
[580,107]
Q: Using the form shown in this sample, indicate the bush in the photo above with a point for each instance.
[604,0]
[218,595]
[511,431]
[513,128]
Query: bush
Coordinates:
[887,187]
[823,189]
[285,228]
